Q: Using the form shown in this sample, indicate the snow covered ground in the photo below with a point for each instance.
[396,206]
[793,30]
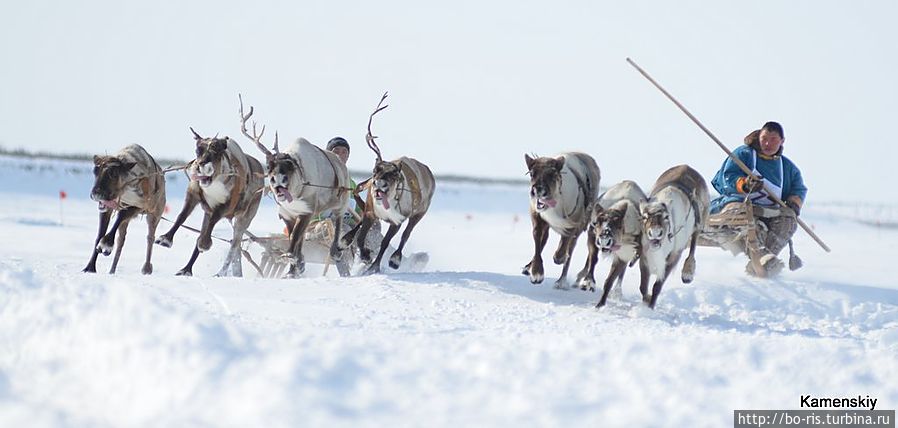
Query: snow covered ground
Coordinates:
[467,342]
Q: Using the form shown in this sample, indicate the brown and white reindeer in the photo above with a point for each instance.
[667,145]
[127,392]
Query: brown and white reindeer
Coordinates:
[398,190]
[563,190]
[227,183]
[131,183]
[306,182]
[673,217]
[616,230]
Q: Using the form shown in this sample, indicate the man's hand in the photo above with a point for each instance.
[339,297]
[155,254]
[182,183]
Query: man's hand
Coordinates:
[749,184]
[794,206]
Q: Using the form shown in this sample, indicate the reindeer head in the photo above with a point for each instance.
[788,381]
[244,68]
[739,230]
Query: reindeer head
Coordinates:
[385,181]
[210,152]
[545,180]
[110,178]
[655,222]
[612,225]
[282,172]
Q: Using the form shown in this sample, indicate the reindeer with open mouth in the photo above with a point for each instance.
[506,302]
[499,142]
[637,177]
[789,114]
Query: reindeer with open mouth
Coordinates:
[398,190]
[563,190]
[228,184]
[131,183]
[673,217]
[616,230]
[306,181]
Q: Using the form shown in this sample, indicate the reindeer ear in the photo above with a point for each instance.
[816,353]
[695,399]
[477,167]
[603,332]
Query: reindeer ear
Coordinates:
[195,135]
[97,160]
[560,162]
[643,208]
[529,160]
[597,211]
[126,166]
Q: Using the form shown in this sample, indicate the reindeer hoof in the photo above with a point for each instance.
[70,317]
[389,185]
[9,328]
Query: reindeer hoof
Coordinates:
[164,241]
[587,285]
[365,255]
[373,269]
[561,284]
[526,270]
[147,269]
[395,260]
[184,272]
[104,248]
[90,269]
[203,245]
[688,271]
[537,278]
[559,259]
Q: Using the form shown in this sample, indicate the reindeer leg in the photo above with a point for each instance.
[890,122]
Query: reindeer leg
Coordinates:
[618,266]
[204,241]
[644,279]
[346,241]
[396,258]
[233,262]
[362,236]
[659,282]
[562,280]
[561,253]
[120,241]
[152,223]
[188,269]
[586,278]
[688,272]
[375,265]
[540,235]
[168,238]
[106,244]
[297,236]
[104,224]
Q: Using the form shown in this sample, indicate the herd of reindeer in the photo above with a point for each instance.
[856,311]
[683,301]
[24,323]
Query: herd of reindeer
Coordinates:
[624,223]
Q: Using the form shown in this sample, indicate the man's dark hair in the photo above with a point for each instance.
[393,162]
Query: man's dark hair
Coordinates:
[774,127]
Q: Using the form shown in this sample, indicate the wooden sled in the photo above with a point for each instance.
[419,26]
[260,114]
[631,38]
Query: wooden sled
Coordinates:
[736,230]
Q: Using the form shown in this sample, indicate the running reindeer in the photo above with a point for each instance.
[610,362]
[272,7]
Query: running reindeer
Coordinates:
[616,230]
[131,183]
[673,217]
[306,182]
[398,190]
[562,192]
[228,184]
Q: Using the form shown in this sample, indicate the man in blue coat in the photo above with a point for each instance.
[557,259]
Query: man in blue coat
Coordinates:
[763,153]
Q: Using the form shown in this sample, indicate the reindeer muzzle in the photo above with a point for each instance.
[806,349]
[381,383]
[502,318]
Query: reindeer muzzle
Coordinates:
[381,197]
[282,194]
[544,203]
[605,241]
[106,205]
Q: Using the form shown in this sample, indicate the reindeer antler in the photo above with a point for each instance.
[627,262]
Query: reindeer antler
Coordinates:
[370,137]
[256,137]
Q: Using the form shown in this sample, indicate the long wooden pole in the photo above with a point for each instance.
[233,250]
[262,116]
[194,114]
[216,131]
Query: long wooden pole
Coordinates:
[729,153]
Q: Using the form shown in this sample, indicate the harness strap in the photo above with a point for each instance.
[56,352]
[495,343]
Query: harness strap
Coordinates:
[412,180]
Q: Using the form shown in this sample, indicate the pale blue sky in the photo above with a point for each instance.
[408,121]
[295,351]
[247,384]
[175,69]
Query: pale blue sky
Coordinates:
[474,85]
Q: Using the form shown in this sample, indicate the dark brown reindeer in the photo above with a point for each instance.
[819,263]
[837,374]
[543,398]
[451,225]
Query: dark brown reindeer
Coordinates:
[563,190]
[306,182]
[131,183]
[227,183]
[398,190]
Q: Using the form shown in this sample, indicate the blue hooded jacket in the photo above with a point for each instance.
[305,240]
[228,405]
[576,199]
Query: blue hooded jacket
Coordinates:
[725,179]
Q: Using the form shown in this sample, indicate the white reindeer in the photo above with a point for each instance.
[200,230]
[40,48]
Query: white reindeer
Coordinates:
[306,182]
[673,217]
[616,230]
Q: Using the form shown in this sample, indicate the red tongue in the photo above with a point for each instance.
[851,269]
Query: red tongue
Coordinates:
[386,203]
[108,204]
[550,202]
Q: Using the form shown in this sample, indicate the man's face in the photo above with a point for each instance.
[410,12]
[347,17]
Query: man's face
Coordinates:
[342,153]
[770,142]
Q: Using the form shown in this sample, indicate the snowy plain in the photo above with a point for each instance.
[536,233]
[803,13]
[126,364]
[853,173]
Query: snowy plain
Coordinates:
[467,342]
